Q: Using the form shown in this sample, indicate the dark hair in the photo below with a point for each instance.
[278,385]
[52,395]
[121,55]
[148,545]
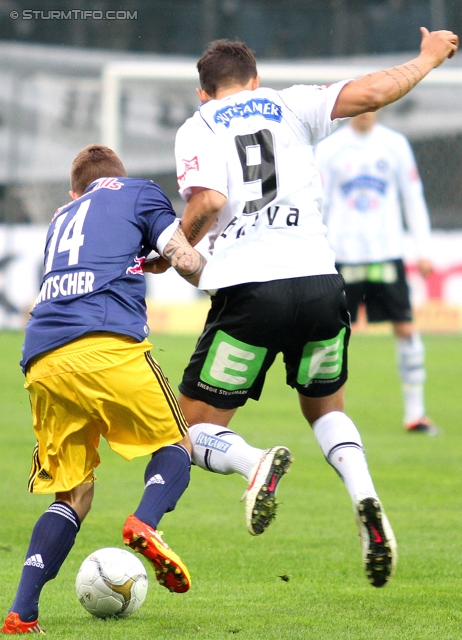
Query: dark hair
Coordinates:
[93,162]
[225,63]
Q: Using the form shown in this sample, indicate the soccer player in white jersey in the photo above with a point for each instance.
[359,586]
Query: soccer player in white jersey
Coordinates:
[246,169]
[370,176]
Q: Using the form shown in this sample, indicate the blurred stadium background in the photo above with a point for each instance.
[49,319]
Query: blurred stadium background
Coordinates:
[123,73]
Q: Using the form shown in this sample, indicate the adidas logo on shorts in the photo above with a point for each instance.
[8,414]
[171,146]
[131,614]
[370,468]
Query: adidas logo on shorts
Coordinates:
[35,561]
[44,475]
[157,479]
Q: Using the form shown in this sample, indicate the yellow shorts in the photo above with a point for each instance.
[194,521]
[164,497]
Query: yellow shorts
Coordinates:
[101,384]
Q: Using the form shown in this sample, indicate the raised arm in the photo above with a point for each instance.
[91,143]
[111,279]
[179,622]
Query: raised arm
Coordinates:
[388,85]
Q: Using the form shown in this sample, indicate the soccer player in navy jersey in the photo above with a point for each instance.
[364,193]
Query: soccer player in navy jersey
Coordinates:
[89,371]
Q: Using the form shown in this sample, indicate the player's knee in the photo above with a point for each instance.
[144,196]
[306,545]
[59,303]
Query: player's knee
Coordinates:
[186,443]
[403,330]
[84,504]
[315,408]
[80,498]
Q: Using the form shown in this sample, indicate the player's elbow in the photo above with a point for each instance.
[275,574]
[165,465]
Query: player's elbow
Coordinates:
[355,99]
[376,98]
[206,200]
[371,99]
[216,201]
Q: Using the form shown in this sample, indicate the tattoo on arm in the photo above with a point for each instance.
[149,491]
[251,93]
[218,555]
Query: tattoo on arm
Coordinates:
[183,257]
[409,73]
[197,224]
[414,66]
[410,68]
[398,70]
[387,73]
[191,275]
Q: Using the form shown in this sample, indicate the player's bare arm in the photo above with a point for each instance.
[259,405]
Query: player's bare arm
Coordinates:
[380,88]
[200,213]
[188,262]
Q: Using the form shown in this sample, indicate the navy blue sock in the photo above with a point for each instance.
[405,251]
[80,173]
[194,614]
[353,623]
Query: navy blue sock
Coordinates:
[166,478]
[52,539]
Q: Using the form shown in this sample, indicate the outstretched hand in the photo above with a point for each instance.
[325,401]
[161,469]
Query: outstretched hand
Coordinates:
[438,45]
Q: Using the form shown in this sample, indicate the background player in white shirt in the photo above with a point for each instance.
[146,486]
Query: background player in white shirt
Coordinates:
[246,168]
[370,178]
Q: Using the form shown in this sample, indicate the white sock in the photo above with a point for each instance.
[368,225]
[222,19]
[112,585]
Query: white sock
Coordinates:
[341,444]
[218,449]
[411,363]
[414,407]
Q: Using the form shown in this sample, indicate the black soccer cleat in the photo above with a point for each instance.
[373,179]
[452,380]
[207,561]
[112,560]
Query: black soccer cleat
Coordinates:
[380,551]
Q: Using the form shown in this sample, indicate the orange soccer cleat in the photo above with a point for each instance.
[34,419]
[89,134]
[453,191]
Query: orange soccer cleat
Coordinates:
[14,624]
[170,571]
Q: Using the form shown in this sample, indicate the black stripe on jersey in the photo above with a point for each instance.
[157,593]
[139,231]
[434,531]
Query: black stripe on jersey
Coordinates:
[168,393]
[34,469]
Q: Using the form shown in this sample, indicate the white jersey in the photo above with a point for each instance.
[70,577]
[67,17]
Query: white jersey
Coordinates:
[256,148]
[369,180]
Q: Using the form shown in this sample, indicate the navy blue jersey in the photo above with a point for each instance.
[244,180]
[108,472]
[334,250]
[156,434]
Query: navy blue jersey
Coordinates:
[93,270]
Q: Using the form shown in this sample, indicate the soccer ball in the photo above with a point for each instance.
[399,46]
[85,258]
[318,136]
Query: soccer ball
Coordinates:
[111,582]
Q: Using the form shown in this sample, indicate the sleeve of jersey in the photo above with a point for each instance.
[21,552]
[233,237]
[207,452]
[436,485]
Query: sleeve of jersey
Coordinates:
[156,216]
[199,160]
[415,207]
[313,105]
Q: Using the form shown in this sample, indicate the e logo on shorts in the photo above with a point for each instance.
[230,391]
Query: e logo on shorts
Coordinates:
[322,360]
[232,364]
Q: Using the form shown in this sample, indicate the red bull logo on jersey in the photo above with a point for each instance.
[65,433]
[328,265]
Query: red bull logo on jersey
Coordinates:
[137,270]
[107,183]
[254,107]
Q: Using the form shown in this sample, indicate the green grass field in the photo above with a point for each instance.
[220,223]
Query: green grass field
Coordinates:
[237,590]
